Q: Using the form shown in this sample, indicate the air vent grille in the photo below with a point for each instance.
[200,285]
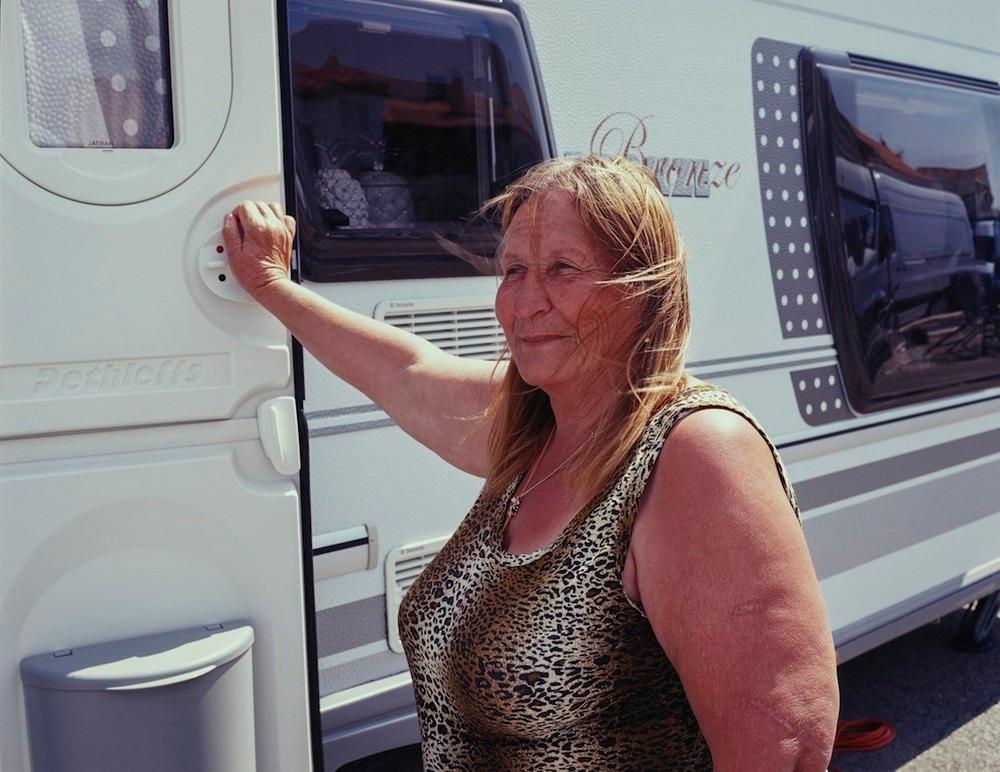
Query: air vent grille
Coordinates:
[402,567]
[466,327]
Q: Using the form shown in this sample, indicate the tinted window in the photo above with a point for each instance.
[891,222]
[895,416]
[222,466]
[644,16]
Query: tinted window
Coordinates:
[911,171]
[406,118]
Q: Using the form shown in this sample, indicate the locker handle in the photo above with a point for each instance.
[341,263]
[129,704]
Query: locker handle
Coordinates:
[279,433]
[213,265]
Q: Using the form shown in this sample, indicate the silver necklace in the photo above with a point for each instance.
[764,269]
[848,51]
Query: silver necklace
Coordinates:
[515,501]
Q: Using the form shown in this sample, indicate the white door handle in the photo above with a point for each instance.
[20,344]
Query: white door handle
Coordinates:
[279,433]
[213,264]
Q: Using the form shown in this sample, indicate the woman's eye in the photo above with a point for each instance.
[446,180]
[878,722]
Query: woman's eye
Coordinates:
[512,270]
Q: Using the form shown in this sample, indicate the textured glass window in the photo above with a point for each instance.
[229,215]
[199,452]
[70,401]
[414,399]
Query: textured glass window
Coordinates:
[98,73]
[406,117]
[912,169]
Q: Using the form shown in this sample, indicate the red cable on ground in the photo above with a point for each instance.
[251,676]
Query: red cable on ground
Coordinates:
[862,734]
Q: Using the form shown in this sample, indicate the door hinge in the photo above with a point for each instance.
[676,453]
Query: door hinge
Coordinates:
[279,433]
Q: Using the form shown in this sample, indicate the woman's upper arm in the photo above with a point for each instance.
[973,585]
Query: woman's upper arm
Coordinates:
[444,406]
[725,577]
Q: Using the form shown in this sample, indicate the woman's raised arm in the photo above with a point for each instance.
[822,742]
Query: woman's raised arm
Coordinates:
[436,398]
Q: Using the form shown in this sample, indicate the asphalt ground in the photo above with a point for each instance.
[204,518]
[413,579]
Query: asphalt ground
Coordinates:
[944,704]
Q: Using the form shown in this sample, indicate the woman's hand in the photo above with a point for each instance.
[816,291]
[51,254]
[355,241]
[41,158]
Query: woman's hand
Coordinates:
[258,240]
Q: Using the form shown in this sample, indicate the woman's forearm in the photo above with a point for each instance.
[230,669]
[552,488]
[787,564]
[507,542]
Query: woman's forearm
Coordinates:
[368,354]
[437,398]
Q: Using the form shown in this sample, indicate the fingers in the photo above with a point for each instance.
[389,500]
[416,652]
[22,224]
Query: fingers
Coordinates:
[261,209]
[255,216]
[279,212]
[256,212]
[232,236]
[243,217]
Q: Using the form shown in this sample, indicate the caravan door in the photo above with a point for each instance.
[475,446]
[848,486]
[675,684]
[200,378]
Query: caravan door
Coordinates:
[151,531]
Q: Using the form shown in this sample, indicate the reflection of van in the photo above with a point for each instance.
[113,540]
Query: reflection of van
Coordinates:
[912,264]
[931,239]
[169,457]
[865,245]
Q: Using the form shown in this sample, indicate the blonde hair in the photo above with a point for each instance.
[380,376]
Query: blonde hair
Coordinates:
[622,207]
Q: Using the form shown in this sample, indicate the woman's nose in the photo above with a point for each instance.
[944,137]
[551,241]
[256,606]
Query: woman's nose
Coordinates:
[532,296]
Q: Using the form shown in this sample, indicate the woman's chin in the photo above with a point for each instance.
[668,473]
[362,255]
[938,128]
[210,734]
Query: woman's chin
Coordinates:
[547,372]
[537,381]
[535,375]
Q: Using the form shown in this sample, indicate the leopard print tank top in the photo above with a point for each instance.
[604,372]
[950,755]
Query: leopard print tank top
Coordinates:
[540,661]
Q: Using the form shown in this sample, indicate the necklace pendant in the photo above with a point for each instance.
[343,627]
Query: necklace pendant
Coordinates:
[512,508]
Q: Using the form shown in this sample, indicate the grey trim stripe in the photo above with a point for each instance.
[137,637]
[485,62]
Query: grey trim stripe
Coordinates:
[860,533]
[360,671]
[339,411]
[829,350]
[765,355]
[350,625]
[826,489]
[776,366]
[880,421]
[323,431]
[372,408]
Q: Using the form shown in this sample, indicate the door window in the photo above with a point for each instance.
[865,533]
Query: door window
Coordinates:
[406,117]
[97,73]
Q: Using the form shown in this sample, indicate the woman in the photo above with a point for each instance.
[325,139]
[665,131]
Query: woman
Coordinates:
[613,600]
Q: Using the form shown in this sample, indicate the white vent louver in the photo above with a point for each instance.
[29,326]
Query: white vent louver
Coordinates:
[466,327]
[402,566]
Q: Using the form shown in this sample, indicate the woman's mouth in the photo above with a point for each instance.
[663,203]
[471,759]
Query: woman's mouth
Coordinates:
[538,340]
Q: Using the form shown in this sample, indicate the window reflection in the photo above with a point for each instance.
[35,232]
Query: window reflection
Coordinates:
[917,168]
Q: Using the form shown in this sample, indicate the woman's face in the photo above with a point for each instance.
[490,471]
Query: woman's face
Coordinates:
[564,330]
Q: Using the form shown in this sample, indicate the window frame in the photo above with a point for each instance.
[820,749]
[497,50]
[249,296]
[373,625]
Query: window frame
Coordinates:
[865,394]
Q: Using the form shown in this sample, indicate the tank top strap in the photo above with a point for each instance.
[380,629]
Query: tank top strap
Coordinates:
[643,459]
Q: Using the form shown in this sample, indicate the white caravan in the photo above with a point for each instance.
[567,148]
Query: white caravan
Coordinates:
[169,456]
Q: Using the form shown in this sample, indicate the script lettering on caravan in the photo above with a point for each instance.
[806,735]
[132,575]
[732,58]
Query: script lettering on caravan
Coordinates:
[625,134]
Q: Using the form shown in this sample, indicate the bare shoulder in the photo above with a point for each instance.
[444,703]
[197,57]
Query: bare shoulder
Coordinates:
[713,445]
[710,426]
[715,494]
